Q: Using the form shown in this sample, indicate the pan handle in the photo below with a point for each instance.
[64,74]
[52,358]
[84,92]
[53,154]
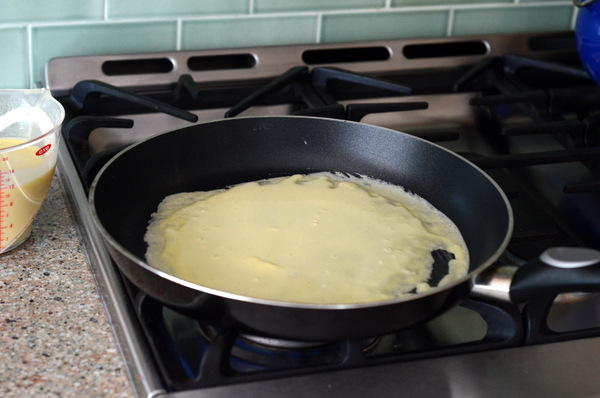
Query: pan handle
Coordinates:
[557,270]
[537,283]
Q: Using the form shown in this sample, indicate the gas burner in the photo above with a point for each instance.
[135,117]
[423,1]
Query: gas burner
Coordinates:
[252,347]
[184,345]
[294,345]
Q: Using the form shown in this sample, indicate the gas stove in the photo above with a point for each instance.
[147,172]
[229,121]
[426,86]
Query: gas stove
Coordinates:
[519,106]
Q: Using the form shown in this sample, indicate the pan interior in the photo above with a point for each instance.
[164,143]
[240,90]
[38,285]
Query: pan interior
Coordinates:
[219,154]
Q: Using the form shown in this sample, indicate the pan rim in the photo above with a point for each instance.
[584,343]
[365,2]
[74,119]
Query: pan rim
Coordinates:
[468,278]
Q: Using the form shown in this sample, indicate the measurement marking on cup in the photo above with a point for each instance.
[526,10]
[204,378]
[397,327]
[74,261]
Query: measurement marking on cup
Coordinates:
[5,204]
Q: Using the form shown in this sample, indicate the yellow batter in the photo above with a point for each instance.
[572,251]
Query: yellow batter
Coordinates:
[26,179]
[319,238]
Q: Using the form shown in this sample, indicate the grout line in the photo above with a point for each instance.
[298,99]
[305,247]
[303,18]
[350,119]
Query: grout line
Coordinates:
[574,17]
[450,26]
[178,34]
[319,28]
[251,16]
[105,10]
[30,73]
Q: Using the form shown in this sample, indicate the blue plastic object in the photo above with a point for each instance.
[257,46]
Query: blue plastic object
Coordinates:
[587,33]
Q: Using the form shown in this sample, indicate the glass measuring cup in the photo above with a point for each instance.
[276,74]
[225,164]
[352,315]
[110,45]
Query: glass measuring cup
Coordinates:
[30,122]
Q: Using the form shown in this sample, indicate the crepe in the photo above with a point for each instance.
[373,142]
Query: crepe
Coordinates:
[321,238]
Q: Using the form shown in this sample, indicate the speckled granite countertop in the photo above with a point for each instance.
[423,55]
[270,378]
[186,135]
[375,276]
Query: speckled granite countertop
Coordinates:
[55,339]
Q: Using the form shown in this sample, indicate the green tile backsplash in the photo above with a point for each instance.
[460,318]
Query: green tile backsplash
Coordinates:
[28,11]
[512,19]
[381,26]
[405,3]
[14,60]
[33,31]
[249,31]
[315,5]
[177,8]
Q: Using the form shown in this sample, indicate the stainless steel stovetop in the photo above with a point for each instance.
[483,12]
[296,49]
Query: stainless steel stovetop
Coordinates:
[558,369]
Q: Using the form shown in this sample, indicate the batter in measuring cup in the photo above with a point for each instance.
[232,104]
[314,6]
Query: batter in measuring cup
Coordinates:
[25,179]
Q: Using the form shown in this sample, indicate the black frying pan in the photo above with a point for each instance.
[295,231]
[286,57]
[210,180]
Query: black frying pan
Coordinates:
[218,154]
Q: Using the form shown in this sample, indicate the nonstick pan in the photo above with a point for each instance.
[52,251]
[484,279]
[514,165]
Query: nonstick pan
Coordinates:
[218,154]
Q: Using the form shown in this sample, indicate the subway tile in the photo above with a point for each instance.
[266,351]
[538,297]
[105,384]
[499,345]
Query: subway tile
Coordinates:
[248,32]
[314,5]
[411,3]
[512,19]
[383,25]
[161,8]
[55,10]
[13,58]
[103,38]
